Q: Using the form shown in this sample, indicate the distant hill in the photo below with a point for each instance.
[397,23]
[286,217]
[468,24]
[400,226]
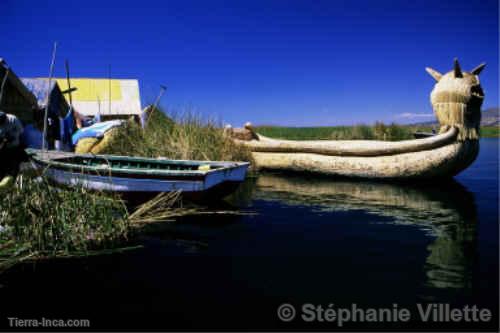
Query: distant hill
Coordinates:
[490,117]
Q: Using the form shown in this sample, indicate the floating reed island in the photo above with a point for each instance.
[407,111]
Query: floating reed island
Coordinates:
[456,99]
[40,221]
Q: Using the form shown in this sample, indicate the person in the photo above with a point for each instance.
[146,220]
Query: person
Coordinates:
[11,148]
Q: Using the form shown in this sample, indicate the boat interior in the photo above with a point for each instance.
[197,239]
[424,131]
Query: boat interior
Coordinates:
[114,163]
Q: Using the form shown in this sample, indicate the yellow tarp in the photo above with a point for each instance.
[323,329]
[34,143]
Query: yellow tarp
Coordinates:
[92,89]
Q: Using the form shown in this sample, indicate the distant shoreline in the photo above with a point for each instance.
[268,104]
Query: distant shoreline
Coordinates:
[490,128]
[379,131]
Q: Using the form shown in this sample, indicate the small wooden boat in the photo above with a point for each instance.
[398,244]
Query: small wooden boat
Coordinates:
[140,176]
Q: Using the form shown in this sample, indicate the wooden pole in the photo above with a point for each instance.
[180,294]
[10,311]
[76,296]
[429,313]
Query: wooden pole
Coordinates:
[109,89]
[51,71]
[70,96]
[99,108]
[69,85]
[155,105]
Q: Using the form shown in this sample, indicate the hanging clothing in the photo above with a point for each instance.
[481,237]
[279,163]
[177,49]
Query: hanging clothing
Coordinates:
[67,127]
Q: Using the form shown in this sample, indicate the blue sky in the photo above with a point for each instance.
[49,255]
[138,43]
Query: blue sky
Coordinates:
[270,62]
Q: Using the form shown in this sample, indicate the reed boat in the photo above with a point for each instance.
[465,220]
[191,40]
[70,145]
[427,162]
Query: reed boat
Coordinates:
[135,176]
[456,99]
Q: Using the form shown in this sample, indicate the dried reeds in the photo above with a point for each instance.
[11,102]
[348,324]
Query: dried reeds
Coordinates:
[187,136]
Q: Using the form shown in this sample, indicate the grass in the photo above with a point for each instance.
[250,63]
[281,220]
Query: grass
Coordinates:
[186,136]
[42,221]
[378,131]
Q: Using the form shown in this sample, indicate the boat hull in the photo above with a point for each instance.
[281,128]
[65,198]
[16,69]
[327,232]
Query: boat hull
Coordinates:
[145,183]
[123,185]
[442,162]
[440,156]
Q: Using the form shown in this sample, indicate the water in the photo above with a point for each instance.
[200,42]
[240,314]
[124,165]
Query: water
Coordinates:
[310,240]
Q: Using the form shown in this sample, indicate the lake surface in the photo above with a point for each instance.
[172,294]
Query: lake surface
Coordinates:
[306,240]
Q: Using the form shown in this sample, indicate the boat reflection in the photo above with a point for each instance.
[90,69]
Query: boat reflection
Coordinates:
[446,210]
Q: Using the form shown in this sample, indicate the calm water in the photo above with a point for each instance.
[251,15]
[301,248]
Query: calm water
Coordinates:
[309,240]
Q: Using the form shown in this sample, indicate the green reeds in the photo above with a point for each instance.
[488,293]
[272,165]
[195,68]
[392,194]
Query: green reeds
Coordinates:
[53,220]
[490,131]
[41,221]
[378,131]
[187,136]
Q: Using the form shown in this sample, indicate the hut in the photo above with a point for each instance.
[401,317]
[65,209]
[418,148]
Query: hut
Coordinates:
[59,118]
[16,99]
[39,87]
[106,99]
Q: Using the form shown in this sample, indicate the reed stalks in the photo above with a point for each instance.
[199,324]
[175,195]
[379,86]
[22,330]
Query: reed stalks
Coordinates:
[162,208]
[40,221]
[186,136]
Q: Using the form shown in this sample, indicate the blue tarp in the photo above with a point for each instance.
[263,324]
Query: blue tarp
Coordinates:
[32,137]
[96,130]
[67,126]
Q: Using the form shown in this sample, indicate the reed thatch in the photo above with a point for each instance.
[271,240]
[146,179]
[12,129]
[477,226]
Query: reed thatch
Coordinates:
[456,100]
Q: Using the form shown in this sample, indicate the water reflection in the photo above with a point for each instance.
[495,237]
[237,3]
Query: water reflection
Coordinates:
[446,211]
